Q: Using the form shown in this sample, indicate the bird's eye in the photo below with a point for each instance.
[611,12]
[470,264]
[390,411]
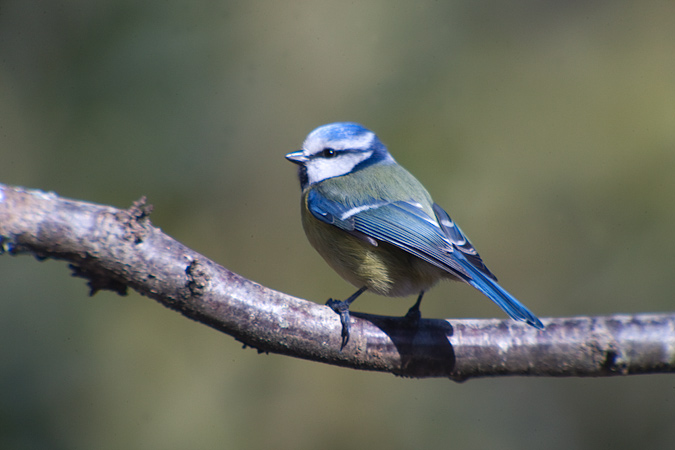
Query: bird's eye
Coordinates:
[328,152]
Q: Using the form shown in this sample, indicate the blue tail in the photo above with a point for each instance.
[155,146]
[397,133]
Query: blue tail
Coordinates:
[503,299]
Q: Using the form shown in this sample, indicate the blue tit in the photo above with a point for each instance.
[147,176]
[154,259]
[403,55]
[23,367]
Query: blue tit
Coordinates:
[378,227]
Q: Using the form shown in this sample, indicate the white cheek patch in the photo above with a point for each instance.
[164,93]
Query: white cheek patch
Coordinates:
[323,168]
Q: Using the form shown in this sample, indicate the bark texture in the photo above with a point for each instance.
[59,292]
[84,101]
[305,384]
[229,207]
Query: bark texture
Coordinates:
[117,249]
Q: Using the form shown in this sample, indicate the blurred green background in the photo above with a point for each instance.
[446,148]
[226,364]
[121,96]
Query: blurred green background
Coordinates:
[546,129]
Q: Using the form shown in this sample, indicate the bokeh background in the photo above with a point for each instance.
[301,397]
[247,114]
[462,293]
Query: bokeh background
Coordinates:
[547,129]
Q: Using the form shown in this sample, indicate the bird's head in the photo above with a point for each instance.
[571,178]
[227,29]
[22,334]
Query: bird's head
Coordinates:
[338,149]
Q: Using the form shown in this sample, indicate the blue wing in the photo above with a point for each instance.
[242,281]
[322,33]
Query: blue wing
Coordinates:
[436,240]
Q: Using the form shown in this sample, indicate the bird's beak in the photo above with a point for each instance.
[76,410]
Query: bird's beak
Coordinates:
[297,157]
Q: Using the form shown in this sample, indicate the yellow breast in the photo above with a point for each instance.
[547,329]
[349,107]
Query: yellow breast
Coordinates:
[383,268]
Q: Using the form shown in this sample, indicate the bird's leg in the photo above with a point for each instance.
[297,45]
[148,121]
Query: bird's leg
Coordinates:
[414,314]
[341,307]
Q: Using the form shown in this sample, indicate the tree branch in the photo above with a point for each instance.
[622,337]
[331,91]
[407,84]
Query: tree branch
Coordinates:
[115,249]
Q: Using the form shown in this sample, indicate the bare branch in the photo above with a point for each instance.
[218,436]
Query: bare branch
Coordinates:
[115,248]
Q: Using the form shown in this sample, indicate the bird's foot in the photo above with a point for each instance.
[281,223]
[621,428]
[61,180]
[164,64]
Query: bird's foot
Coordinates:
[413,316]
[342,309]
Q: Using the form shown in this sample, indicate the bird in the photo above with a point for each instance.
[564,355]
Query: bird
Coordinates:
[377,226]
